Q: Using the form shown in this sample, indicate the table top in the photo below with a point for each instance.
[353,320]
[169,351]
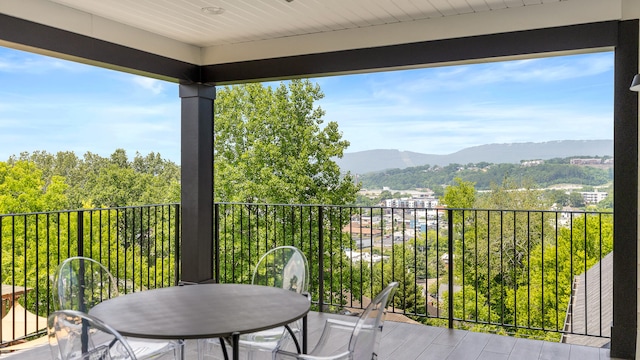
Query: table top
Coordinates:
[201,311]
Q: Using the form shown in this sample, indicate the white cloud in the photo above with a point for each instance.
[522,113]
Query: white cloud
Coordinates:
[442,110]
[447,130]
[26,63]
[438,110]
[542,70]
[133,111]
[154,86]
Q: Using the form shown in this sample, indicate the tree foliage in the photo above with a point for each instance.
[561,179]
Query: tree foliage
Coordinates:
[462,195]
[484,174]
[271,146]
[138,244]
[95,181]
[23,190]
[516,262]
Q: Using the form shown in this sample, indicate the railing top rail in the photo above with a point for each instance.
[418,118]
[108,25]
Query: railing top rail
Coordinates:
[576,211]
[89,210]
[376,207]
[438,208]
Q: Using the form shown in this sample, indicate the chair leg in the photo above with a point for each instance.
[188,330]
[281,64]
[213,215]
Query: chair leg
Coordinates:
[179,350]
[200,349]
[204,350]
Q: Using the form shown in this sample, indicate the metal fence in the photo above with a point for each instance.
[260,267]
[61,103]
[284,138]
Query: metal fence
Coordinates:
[139,245]
[533,273]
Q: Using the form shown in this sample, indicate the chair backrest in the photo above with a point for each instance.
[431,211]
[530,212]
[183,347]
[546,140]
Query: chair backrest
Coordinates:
[365,338]
[284,267]
[81,283]
[80,336]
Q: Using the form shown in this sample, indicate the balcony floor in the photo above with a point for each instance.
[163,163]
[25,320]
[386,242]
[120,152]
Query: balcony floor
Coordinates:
[410,341]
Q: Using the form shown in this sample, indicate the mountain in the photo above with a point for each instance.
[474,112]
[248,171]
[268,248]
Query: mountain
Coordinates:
[362,162]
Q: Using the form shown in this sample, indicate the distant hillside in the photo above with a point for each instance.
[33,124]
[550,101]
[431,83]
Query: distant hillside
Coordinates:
[363,162]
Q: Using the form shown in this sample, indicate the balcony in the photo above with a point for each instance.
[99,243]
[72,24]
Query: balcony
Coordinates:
[134,37]
[538,275]
[410,341]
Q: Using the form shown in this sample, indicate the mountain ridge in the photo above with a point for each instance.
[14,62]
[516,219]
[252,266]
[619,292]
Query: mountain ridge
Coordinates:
[362,162]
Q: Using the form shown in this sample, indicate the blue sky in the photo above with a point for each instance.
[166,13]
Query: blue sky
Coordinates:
[55,105]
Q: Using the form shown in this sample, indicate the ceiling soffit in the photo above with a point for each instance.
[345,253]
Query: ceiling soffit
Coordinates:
[178,29]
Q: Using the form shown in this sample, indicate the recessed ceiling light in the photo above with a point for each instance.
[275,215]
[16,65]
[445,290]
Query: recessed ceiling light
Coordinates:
[213,10]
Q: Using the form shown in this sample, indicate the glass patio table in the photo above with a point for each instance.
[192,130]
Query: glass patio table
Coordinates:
[203,311]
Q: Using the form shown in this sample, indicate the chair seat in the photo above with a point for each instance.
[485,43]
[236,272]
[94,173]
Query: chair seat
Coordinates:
[363,336]
[262,337]
[145,349]
[266,340]
[283,267]
[78,335]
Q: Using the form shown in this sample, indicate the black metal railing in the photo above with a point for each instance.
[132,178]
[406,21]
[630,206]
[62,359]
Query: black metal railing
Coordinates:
[139,245]
[506,271]
[533,273]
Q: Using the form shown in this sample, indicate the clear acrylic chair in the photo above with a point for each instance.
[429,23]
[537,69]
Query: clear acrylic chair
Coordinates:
[283,267]
[81,283]
[80,336]
[364,335]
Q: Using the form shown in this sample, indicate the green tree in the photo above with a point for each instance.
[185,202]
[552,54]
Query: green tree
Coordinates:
[462,195]
[540,299]
[552,172]
[395,266]
[365,200]
[513,195]
[385,194]
[498,240]
[576,200]
[115,181]
[397,269]
[271,146]
[23,190]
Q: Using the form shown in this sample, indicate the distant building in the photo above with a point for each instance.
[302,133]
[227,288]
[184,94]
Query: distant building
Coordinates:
[356,229]
[412,203]
[445,259]
[532,163]
[593,197]
[364,256]
[568,214]
[585,161]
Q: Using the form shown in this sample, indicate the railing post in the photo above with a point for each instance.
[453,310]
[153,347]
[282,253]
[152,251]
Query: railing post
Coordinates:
[216,243]
[80,233]
[450,265]
[320,259]
[177,227]
[84,335]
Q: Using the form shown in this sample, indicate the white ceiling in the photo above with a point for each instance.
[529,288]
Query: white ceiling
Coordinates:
[259,29]
[255,20]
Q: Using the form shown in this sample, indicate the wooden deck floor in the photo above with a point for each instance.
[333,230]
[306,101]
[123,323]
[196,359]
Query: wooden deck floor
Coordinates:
[401,341]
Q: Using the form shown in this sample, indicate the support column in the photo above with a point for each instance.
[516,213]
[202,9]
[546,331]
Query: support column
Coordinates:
[197,181]
[625,243]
